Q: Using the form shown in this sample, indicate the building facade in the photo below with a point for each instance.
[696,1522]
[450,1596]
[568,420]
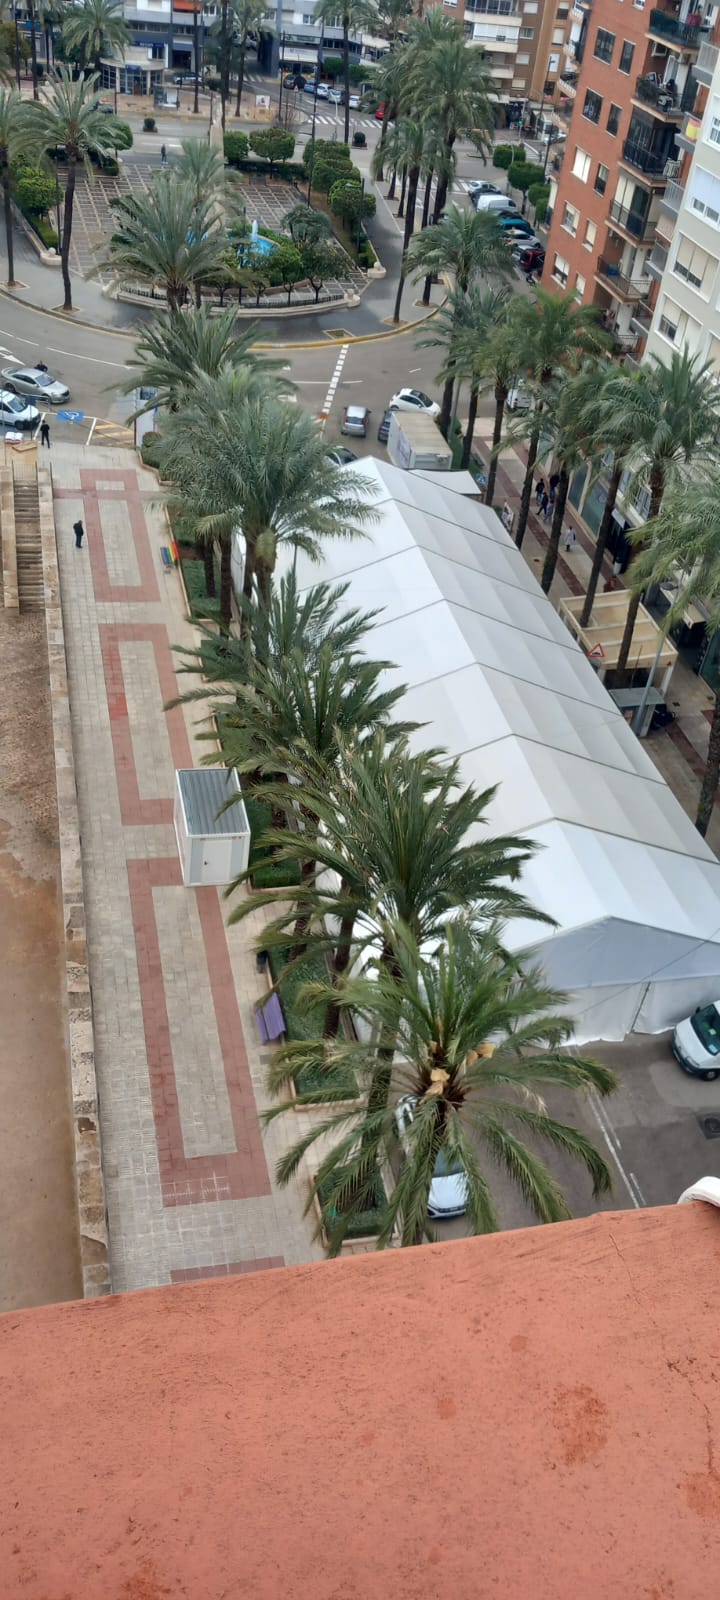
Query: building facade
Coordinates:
[635,98]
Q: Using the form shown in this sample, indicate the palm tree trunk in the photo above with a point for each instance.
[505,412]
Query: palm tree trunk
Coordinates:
[401,207]
[7,207]
[247,588]
[302,921]
[67,231]
[657,490]
[524,511]
[711,774]
[225,585]
[341,962]
[241,77]
[196,60]
[469,431]
[438,208]
[601,546]
[383,135]
[393,183]
[551,554]
[501,394]
[209,565]
[346,72]
[33,48]
[446,404]
[426,200]
[197,286]
[224,61]
[413,181]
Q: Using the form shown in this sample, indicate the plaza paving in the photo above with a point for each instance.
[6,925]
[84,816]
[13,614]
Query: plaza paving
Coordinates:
[188,1168]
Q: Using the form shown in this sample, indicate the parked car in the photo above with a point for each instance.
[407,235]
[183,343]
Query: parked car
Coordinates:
[531,258]
[384,429]
[354,102]
[323,91]
[359,140]
[519,399]
[379,114]
[413,400]
[310,86]
[355,420]
[295,80]
[35,382]
[448,1190]
[493,202]
[696,1042]
[479,186]
[342,456]
[336,96]
[17,413]
[517,227]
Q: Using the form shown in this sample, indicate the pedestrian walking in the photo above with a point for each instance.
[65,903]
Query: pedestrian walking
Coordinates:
[569,538]
[554,481]
[79,533]
[539,492]
[163,156]
[44,433]
[544,505]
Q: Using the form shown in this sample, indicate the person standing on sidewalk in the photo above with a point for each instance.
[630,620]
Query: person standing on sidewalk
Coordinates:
[539,492]
[44,433]
[79,533]
[569,538]
[163,156]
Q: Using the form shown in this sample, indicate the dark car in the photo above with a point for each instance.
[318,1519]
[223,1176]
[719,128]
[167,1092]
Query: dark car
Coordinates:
[294,80]
[341,456]
[384,429]
[532,259]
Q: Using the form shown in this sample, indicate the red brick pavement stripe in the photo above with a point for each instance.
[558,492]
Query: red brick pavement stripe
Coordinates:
[191,1180]
[133,809]
[229,1270]
[125,488]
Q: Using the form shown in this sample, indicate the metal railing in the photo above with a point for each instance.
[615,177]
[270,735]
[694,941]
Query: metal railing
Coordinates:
[673,196]
[627,288]
[707,61]
[638,155]
[633,222]
[658,259]
[668,27]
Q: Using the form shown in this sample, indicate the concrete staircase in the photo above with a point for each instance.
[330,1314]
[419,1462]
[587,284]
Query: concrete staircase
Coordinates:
[28,545]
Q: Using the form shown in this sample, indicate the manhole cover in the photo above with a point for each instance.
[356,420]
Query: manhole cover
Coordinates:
[710,1127]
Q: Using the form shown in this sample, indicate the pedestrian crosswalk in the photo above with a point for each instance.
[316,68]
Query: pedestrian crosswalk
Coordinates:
[357,122]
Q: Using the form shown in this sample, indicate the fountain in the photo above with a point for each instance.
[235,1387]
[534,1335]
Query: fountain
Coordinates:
[256,245]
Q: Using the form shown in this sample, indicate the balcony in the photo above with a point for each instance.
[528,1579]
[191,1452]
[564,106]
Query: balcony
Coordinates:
[662,100]
[621,288]
[641,321]
[637,225]
[689,134]
[651,162]
[672,198]
[657,261]
[706,63]
[669,30]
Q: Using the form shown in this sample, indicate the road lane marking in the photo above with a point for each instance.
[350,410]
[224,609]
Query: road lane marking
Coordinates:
[613,1143]
[74,354]
[334,381]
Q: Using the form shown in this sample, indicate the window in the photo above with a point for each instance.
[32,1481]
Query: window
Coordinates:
[562,13]
[561,270]
[601,178]
[691,263]
[676,326]
[713,127]
[558,36]
[581,165]
[604,45]
[705,196]
[590,234]
[548,90]
[579,285]
[570,220]
[626,56]
[521,61]
[613,121]
[532,7]
[527,33]
[592,106]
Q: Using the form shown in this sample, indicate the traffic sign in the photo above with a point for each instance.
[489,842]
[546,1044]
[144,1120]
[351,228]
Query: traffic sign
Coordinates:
[71,416]
[597,653]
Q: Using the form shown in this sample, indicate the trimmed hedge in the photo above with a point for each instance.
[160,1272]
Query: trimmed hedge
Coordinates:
[45,231]
[150,450]
[201,604]
[301,1025]
[266,872]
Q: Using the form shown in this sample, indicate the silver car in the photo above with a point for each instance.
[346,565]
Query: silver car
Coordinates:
[37,383]
[448,1189]
[355,420]
[17,413]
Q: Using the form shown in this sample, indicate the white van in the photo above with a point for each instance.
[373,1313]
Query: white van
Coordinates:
[696,1042]
[493,202]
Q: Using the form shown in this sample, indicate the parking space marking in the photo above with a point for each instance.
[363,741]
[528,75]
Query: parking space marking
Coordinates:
[612,1141]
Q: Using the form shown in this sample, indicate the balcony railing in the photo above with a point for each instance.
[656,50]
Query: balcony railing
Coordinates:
[657,260]
[639,226]
[649,161]
[623,288]
[641,322]
[656,94]
[673,196]
[706,63]
[665,26]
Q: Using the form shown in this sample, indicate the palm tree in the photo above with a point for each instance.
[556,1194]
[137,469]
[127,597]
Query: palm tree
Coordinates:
[407,158]
[177,346]
[685,534]
[660,418]
[250,461]
[306,226]
[387,77]
[69,117]
[552,335]
[248,16]
[470,243]
[47,14]
[391,16]
[595,424]
[565,412]
[467,329]
[355,16]
[202,167]
[481,1041]
[163,238]
[97,28]
[12,131]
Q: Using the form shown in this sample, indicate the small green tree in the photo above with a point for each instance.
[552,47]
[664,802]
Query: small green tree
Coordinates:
[320,262]
[332,66]
[523,174]
[286,267]
[317,149]
[34,191]
[350,203]
[326,174]
[539,197]
[272,145]
[505,154]
[236,147]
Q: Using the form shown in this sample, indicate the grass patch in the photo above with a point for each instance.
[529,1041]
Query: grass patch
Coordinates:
[367,1221]
[201,605]
[305,1024]
[267,873]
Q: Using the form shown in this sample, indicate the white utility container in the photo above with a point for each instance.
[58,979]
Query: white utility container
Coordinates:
[213,848]
[415,441]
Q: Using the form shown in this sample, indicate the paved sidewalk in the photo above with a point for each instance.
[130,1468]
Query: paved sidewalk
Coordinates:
[188,1169]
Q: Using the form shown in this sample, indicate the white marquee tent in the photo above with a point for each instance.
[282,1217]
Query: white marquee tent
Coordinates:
[499,682]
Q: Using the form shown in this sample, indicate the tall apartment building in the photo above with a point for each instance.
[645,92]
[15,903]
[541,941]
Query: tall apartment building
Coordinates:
[524,43]
[633,116]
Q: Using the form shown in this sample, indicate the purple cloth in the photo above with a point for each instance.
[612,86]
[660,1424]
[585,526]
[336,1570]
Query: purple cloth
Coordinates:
[270,1019]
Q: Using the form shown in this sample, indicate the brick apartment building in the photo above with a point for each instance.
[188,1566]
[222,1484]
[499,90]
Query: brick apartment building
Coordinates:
[525,44]
[633,117]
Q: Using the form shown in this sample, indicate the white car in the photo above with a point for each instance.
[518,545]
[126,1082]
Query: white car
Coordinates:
[448,1190]
[354,102]
[335,96]
[414,400]
[323,91]
[696,1042]
[17,413]
[35,382]
[479,186]
[484,201]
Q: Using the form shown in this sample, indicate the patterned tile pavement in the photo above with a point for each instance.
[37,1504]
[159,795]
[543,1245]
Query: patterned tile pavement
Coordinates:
[189,1167]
